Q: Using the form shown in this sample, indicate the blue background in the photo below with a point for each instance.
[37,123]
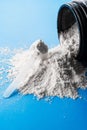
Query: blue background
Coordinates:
[21,23]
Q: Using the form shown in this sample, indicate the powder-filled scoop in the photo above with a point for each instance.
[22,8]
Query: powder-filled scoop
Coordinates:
[37,52]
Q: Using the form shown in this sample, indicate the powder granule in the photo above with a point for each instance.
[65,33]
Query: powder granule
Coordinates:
[58,73]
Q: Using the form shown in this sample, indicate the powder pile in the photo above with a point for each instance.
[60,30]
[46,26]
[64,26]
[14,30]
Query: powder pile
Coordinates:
[49,72]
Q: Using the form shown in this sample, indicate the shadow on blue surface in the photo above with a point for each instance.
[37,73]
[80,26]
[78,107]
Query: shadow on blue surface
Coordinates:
[26,112]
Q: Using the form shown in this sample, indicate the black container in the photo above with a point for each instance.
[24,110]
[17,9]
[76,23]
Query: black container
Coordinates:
[69,13]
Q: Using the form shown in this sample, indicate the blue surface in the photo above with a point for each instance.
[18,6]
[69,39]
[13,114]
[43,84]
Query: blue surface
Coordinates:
[21,23]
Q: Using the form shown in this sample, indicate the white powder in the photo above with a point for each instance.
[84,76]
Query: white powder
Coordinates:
[53,72]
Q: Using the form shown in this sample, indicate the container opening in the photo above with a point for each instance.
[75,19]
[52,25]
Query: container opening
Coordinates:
[66,19]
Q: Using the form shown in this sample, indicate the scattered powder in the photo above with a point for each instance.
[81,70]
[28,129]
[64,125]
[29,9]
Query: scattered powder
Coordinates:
[53,72]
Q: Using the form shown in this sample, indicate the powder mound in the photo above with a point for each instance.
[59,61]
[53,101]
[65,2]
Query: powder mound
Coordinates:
[53,72]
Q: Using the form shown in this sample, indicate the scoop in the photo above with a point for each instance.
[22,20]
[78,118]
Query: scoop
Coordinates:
[37,53]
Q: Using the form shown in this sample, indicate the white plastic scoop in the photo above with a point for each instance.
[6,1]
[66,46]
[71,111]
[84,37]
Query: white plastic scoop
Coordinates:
[37,53]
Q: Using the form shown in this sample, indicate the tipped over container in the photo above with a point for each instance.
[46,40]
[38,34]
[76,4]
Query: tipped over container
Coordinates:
[70,13]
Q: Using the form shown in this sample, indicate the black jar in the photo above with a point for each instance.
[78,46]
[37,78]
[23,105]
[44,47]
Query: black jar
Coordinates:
[69,13]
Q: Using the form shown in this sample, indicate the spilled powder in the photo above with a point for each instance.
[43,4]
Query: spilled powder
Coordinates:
[49,72]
